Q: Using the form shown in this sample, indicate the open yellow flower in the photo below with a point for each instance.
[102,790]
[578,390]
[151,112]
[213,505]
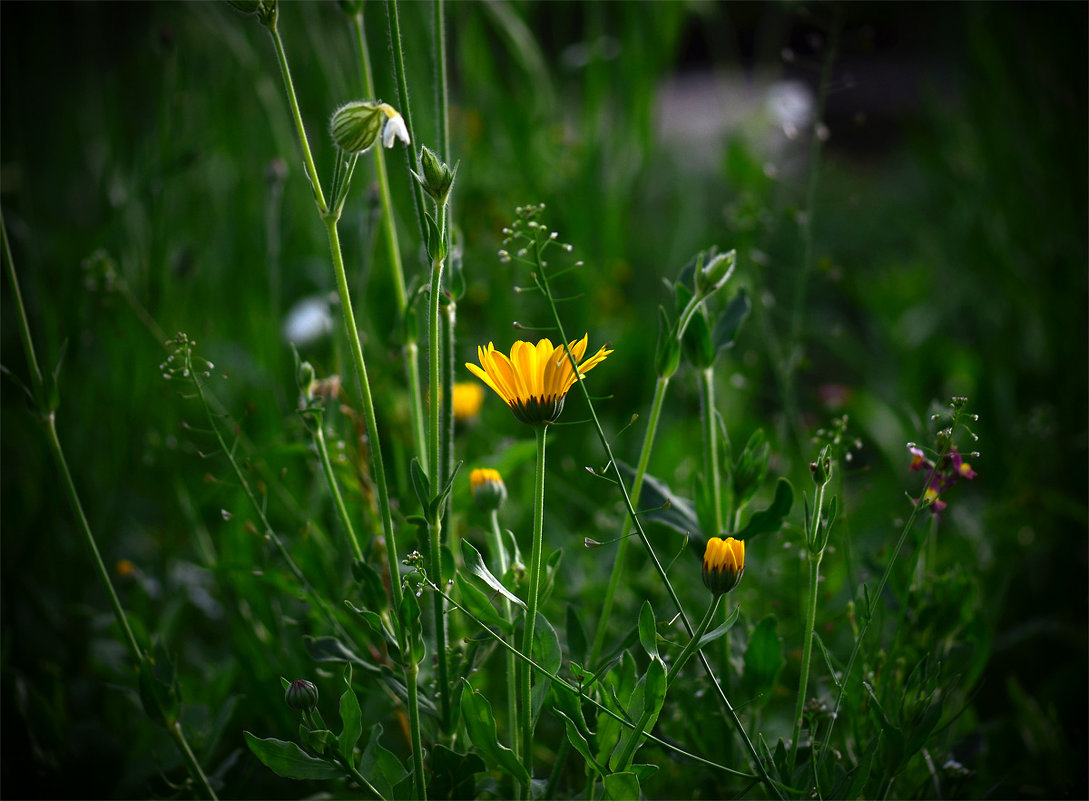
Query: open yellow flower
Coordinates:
[468,396]
[723,564]
[535,379]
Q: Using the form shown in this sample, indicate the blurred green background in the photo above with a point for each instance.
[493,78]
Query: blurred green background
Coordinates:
[949,222]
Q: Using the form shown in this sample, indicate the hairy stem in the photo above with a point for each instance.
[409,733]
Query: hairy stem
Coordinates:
[536,554]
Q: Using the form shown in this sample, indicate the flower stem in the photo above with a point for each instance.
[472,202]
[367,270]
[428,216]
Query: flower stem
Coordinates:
[807,645]
[412,672]
[536,555]
[504,605]
[405,106]
[625,536]
[190,759]
[331,480]
[710,444]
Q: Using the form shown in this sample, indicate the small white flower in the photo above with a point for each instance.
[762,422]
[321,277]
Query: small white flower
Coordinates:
[395,129]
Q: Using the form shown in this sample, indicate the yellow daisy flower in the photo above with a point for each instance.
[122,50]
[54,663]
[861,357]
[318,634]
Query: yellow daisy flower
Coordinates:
[723,564]
[468,397]
[535,379]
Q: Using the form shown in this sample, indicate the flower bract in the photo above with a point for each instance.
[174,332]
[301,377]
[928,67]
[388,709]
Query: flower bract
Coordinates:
[534,379]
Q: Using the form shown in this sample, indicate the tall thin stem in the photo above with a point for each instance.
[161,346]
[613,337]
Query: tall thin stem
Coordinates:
[331,480]
[710,443]
[405,105]
[500,554]
[625,537]
[807,644]
[536,555]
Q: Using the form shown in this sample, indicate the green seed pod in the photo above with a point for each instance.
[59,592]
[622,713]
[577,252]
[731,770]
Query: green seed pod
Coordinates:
[356,126]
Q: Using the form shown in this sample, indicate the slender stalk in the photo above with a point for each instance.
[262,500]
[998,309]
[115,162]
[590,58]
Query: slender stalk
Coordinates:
[807,647]
[441,89]
[190,758]
[435,447]
[331,480]
[710,443]
[37,382]
[503,564]
[685,655]
[413,684]
[308,159]
[625,537]
[405,106]
[536,555]
[393,251]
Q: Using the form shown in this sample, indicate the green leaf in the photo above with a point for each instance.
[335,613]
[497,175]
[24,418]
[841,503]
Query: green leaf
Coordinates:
[478,603]
[763,661]
[380,766]
[420,484]
[648,630]
[579,742]
[717,632]
[621,787]
[444,493]
[770,520]
[288,760]
[894,738]
[647,699]
[410,616]
[729,322]
[474,563]
[370,584]
[453,775]
[547,654]
[644,772]
[158,684]
[330,649]
[351,716]
[477,714]
[664,505]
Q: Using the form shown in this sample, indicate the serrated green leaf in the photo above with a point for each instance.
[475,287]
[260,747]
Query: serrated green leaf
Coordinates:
[770,520]
[474,563]
[477,714]
[288,760]
[351,717]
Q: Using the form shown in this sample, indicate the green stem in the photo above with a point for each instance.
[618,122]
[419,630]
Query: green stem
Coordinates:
[434,527]
[504,606]
[393,250]
[689,648]
[412,671]
[536,555]
[36,379]
[308,159]
[807,645]
[405,108]
[442,90]
[190,758]
[349,768]
[331,480]
[710,443]
[625,536]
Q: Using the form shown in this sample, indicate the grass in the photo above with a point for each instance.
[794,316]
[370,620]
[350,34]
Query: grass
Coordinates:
[151,183]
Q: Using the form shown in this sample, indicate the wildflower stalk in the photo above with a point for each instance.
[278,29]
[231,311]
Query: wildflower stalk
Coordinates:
[689,649]
[541,281]
[394,25]
[334,487]
[535,558]
[47,415]
[625,538]
[435,448]
[814,560]
[710,443]
[393,251]
[496,537]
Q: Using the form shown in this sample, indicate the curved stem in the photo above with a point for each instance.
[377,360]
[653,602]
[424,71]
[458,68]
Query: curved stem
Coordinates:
[625,536]
[536,554]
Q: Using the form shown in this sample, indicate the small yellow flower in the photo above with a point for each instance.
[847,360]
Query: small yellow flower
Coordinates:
[489,491]
[723,564]
[124,568]
[468,397]
[535,379]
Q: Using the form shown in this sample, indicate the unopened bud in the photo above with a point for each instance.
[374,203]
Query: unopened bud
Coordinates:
[356,126]
[302,695]
[489,491]
[435,177]
[711,276]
